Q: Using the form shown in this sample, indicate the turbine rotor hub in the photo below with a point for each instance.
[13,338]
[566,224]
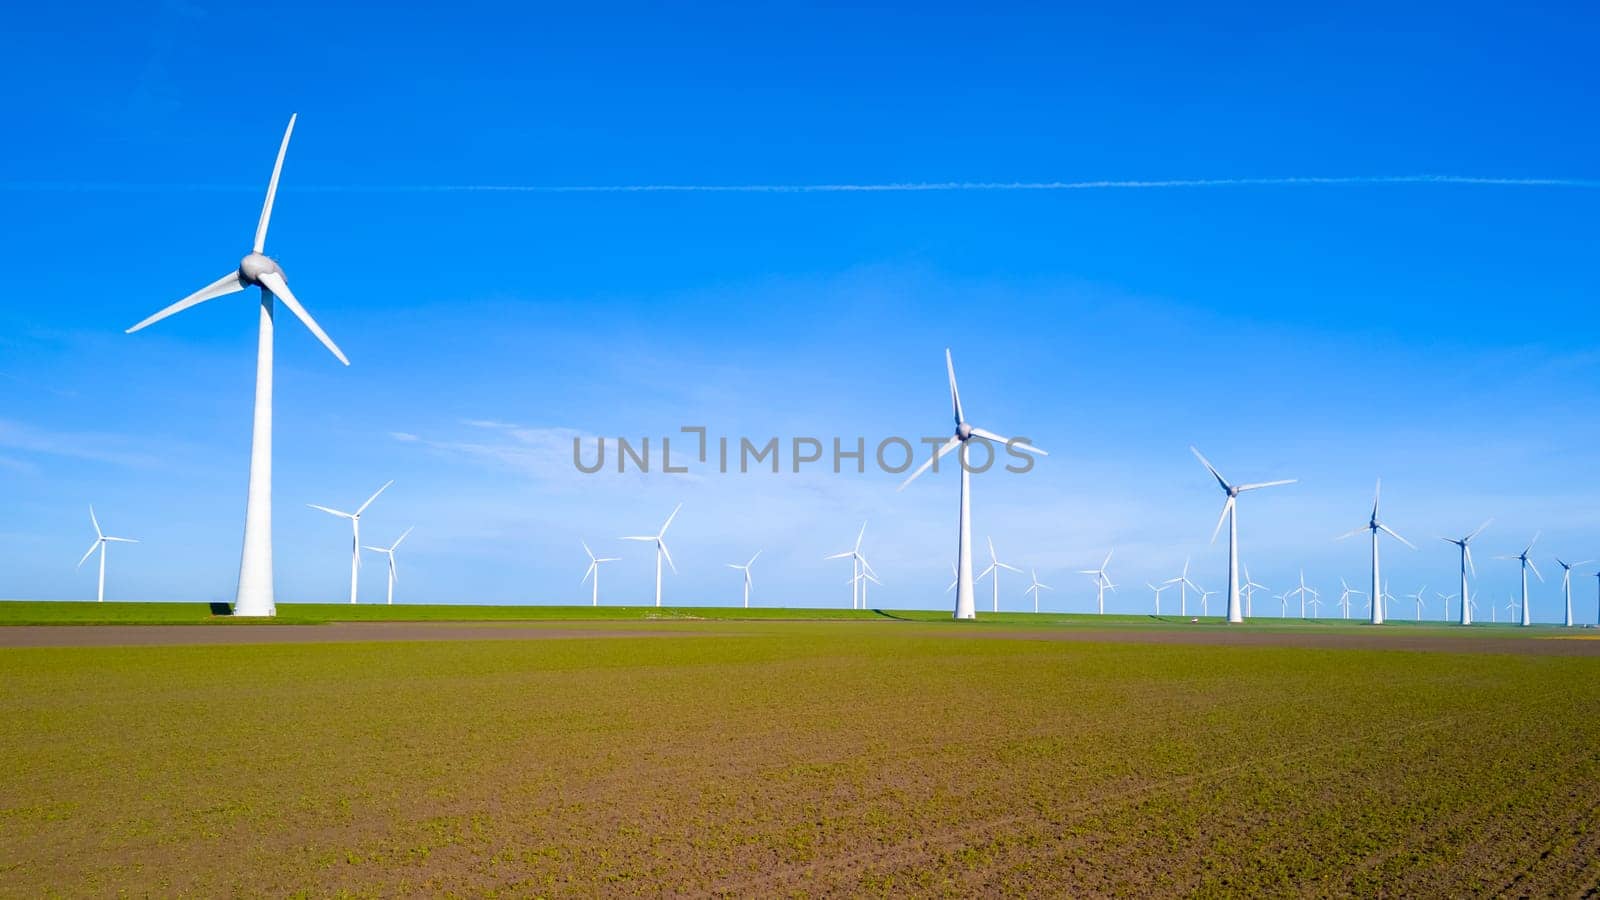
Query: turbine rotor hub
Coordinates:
[964,431]
[255,265]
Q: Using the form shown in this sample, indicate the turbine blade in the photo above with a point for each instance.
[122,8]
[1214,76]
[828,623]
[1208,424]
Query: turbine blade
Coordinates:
[274,282]
[1470,567]
[668,523]
[1479,530]
[97,532]
[363,507]
[272,187]
[1009,567]
[1535,570]
[342,515]
[1394,534]
[840,555]
[955,393]
[121,540]
[938,454]
[859,535]
[668,554]
[993,557]
[227,284]
[1210,468]
[404,534]
[1227,507]
[1266,484]
[638,537]
[88,553]
[587,572]
[998,439]
[1350,534]
[753,559]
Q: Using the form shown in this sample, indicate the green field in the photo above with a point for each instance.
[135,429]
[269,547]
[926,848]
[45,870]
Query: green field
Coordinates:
[749,757]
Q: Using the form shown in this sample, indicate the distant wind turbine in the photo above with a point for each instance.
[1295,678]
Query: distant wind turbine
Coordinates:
[1511,609]
[389,552]
[995,565]
[1466,566]
[857,564]
[1158,588]
[1205,601]
[1036,587]
[1345,593]
[1527,618]
[1566,582]
[1249,588]
[101,539]
[862,576]
[1183,584]
[594,572]
[746,570]
[1375,526]
[1444,600]
[1418,597]
[965,608]
[1230,511]
[254,597]
[1102,580]
[1316,606]
[355,532]
[660,540]
[1303,592]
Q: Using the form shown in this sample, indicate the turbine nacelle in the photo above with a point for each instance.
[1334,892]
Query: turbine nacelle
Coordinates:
[255,265]
[963,432]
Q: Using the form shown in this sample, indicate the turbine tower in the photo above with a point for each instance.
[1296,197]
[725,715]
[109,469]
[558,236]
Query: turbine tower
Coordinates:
[1102,580]
[1374,526]
[355,532]
[1527,564]
[1566,582]
[995,565]
[101,539]
[389,552]
[965,608]
[594,570]
[746,570]
[1466,566]
[254,595]
[660,540]
[1036,587]
[858,563]
[1230,512]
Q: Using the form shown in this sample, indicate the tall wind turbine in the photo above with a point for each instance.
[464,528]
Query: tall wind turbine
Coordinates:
[965,432]
[1527,618]
[995,565]
[254,596]
[746,570]
[1102,580]
[101,539]
[355,532]
[660,540]
[1184,584]
[1566,582]
[1036,587]
[1466,566]
[857,564]
[1158,588]
[1374,526]
[1230,512]
[594,570]
[389,552]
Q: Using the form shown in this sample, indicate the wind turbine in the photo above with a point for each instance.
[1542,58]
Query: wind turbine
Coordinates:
[964,432]
[101,539]
[862,576]
[355,532]
[1345,594]
[660,540]
[1283,604]
[1511,609]
[1303,592]
[1183,583]
[1566,582]
[389,552]
[1445,600]
[1316,606]
[857,562]
[1374,526]
[594,570]
[995,565]
[1102,580]
[1205,597]
[1466,566]
[746,570]
[254,596]
[1230,511]
[1418,597]
[1158,588]
[1249,588]
[1035,588]
[1527,564]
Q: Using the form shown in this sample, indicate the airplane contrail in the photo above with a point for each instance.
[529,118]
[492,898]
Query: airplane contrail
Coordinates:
[884,187]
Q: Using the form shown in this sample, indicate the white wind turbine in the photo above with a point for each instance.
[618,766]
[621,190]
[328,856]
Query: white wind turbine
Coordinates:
[858,564]
[355,532]
[1418,597]
[1102,580]
[1205,601]
[1566,582]
[1230,512]
[746,570]
[1511,609]
[254,596]
[862,576]
[1345,593]
[1374,526]
[1466,565]
[594,570]
[995,565]
[1183,584]
[1248,589]
[964,432]
[1036,587]
[1303,592]
[389,552]
[101,539]
[1444,599]
[1316,605]
[1158,588]
[1527,618]
[660,540]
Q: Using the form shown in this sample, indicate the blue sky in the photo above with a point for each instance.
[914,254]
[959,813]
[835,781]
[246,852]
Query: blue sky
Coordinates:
[1431,334]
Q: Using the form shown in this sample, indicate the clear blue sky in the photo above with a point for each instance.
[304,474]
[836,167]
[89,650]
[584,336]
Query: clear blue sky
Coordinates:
[1434,334]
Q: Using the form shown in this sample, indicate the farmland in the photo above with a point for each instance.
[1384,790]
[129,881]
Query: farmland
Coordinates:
[742,756]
